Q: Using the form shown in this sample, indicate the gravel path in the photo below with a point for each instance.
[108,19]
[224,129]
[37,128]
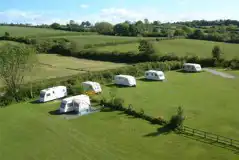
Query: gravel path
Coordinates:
[225,75]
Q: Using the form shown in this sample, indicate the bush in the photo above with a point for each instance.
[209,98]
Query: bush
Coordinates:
[176,121]
[216,52]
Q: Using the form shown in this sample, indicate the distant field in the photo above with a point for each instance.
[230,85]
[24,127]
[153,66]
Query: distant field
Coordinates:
[181,47]
[52,65]
[95,39]
[210,103]
[36,32]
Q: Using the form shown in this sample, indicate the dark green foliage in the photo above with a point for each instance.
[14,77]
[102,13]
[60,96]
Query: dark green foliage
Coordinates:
[145,47]
[176,121]
[6,34]
[217,52]
[16,61]
[179,32]
[197,34]
[104,28]
[55,26]
[75,89]
[116,104]
[122,29]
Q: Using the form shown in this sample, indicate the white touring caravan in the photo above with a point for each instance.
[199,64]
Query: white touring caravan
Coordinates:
[78,103]
[89,86]
[192,67]
[125,80]
[154,75]
[53,93]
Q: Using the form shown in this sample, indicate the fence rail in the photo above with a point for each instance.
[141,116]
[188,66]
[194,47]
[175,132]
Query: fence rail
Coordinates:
[210,136]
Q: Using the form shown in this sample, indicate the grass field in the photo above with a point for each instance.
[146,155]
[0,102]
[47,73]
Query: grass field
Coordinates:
[36,32]
[52,65]
[95,39]
[210,103]
[181,47]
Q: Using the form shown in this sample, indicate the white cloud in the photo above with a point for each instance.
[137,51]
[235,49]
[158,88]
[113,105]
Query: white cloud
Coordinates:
[113,15]
[84,6]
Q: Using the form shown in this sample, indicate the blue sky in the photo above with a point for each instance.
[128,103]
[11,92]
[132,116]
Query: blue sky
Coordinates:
[61,11]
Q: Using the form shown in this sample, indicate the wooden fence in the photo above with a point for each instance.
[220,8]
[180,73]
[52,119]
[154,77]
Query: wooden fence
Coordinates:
[210,136]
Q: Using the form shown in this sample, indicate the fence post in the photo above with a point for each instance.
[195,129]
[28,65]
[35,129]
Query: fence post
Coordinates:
[217,138]
[231,142]
[193,131]
[205,135]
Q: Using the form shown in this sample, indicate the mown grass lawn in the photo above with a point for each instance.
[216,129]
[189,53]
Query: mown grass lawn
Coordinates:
[181,47]
[210,102]
[53,65]
[30,131]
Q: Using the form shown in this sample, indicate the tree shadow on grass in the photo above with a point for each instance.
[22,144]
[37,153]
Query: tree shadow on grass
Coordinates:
[35,102]
[234,149]
[118,86]
[185,72]
[57,112]
[149,80]
[107,109]
[165,130]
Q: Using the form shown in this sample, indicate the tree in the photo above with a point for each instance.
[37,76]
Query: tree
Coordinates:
[133,30]
[122,29]
[216,52]
[188,30]
[6,34]
[85,24]
[73,26]
[140,27]
[55,25]
[176,121]
[197,34]
[104,28]
[145,47]
[16,62]
[179,32]
[156,23]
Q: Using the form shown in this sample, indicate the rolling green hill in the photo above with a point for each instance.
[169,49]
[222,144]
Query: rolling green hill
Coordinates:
[181,47]
[36,32]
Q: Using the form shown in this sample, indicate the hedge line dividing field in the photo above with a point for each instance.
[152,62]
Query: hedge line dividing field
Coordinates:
[66,48]
[32,90]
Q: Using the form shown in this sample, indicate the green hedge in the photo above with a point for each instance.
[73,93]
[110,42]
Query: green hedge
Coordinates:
[116,104]
[32,90]
[66,48]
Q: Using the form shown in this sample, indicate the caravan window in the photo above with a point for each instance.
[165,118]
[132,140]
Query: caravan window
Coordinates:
[63,90]
[70,104]
[42,95]
[147,74]
[48,94]
[63,105]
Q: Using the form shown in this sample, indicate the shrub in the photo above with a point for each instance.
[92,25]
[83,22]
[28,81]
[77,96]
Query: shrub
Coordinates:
[176,121]
[216,52]
[6,34]
[145,47]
